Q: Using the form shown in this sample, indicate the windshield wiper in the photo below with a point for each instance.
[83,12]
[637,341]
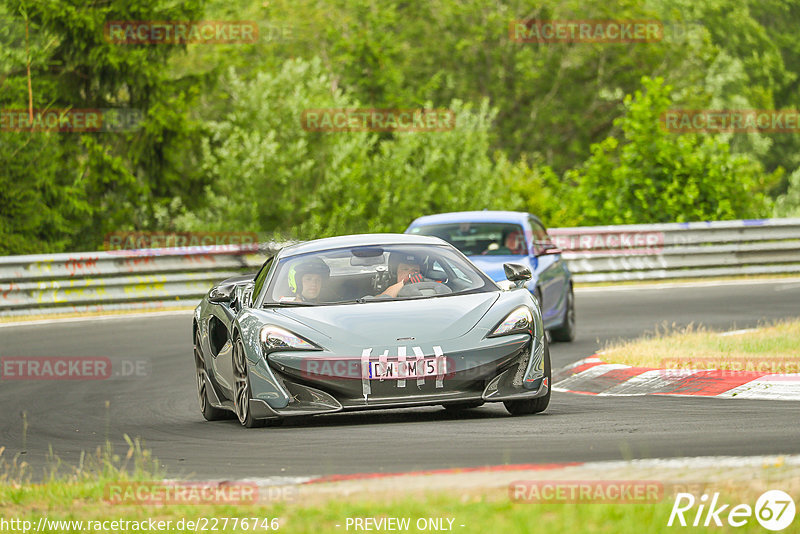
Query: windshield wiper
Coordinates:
[288,304]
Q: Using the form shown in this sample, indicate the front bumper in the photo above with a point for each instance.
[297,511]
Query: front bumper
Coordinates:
[305,383]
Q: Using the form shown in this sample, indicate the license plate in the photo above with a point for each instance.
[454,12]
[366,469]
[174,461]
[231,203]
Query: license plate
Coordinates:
[407,369]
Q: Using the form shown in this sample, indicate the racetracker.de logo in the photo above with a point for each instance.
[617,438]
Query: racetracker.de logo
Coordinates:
[413,365]
[377,120]
[70,120]
[171,32]
[607,242]
[730,121]
[55,368]
[586,31]
[586,491]
[70,368]
[124,242]
[679,367]
[160,493]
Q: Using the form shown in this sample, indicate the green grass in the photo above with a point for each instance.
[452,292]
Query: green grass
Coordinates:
[772,346]
[76,493]
[478,513]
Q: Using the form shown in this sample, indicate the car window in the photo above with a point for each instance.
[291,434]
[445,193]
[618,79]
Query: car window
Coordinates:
[362,274]
[479,239]
[261,276]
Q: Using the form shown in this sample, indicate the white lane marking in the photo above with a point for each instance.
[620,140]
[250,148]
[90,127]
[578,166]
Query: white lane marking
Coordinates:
[788,282]
[591,359]
[769,387]
[686,462]
[784,287]
[647,383]
[738,332]
[98,318]
[588,374]
[700,462]
[262,482]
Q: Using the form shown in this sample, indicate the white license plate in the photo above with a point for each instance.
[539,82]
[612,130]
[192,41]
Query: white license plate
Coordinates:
[407,369]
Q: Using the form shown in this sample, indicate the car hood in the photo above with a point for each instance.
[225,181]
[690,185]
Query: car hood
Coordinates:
[373,323]
[493,265]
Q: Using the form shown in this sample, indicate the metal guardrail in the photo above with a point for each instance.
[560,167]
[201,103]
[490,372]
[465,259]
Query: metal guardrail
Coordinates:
[682,250]
[162,278]
[105,281]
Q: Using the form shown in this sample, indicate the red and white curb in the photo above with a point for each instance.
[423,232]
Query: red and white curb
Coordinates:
[693,469]
[593,376]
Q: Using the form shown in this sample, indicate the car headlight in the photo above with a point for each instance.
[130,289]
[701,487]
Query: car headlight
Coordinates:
[275,338]
[519,321]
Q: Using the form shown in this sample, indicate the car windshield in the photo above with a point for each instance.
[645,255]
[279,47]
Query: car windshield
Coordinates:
[476,239]
[373,273]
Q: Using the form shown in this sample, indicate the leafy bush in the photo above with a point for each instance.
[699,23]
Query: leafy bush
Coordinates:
[788,204]
[653,176]
[267,174]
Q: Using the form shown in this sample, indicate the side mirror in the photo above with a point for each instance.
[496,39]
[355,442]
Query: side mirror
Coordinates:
[517,273]
[550,249]
[221,294]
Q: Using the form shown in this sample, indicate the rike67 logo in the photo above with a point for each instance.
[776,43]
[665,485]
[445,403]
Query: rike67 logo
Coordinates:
[774,510]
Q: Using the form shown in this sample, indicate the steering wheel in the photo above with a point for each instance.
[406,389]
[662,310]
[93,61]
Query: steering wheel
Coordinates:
[421,289]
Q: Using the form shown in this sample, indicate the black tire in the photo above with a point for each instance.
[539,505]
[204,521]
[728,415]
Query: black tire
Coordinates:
[241,398]
[566,332]
[537,405]
[461,406]
[210,413]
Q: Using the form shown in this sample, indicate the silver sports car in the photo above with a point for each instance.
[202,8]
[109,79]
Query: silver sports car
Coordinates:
[364,322]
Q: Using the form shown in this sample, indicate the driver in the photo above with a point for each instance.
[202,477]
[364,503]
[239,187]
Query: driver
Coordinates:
[307,278]
[515,242]
[407,268]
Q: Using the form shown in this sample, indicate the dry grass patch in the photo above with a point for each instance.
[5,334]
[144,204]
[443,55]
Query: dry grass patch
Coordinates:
[772,348]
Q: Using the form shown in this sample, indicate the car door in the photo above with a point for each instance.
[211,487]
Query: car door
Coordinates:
[552,275]
[222,358]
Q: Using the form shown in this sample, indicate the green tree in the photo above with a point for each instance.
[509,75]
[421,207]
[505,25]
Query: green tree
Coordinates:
[655,176]
[119,179]
[268,174]
[788,204]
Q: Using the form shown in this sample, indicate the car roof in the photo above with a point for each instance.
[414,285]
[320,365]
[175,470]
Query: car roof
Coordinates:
[518,217]
[329,243]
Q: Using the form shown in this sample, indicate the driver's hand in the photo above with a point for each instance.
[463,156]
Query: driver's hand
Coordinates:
[414,278]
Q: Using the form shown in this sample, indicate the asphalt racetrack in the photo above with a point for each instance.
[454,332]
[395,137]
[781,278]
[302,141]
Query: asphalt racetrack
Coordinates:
[159,402]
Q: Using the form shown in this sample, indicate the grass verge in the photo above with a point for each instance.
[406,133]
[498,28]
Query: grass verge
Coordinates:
[772,348]
[72,500]
[78,502]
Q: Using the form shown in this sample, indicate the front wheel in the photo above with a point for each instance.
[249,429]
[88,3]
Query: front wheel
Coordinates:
[566,332]
[539,404]
[241,400]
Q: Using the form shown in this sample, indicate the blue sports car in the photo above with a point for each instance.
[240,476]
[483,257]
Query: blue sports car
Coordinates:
[491,238]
